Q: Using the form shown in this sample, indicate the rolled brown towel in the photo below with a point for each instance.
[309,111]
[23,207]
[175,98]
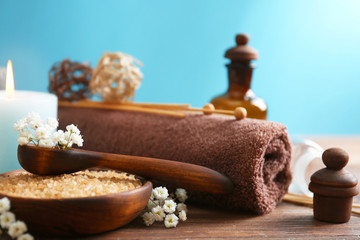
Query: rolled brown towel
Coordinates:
[254,154]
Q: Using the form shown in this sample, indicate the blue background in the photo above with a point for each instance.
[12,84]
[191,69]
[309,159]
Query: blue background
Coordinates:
[308,71]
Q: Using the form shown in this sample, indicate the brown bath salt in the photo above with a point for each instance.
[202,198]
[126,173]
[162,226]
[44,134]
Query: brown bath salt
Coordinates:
[80,184]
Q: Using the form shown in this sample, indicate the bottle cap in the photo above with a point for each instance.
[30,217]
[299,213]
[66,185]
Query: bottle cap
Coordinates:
[334,180]
[333,188]
[242,52]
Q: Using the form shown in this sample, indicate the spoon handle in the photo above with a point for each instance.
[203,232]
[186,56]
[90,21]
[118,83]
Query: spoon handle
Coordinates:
[186,175]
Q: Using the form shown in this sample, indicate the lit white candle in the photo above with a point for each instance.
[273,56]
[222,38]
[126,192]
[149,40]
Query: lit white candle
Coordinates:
[15,105]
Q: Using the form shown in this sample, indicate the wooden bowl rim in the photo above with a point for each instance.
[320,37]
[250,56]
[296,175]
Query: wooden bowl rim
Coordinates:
[146,185]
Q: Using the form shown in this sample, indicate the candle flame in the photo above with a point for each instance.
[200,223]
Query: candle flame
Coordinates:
[9,85]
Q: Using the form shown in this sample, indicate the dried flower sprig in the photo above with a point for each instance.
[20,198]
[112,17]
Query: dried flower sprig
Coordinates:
[33,129]
[163,206]
[9,225]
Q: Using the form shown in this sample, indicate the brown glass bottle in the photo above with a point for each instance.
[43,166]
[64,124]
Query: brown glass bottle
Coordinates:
[240,71]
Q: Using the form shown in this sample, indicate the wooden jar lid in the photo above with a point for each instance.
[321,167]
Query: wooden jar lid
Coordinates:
[242,52]
[334,180]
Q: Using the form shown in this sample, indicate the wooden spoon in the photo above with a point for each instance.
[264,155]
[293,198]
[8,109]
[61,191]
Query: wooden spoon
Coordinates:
[51,161]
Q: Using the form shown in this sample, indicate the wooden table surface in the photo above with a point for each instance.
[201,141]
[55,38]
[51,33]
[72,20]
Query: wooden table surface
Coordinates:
[287,221]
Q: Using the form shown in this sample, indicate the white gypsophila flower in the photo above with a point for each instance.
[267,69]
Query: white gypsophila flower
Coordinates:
[6,219]
[25,133]
[23,140]
[26,236]
[16,229]
[58,136]
[150,205]
[169,206]
[77,139]
[171,220]
[36,124]
[159,213]
[20,125]
[34,120]
[48,143]
[148,218]
[152,195]
[42,133]
[181,207]
[182,215]
[181,194]
[52,123]
[33,116]
[73,128]
[160,193]
[63,141]
[4,205]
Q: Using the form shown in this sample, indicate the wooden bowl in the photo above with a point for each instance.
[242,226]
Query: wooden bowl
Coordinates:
[79,216]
